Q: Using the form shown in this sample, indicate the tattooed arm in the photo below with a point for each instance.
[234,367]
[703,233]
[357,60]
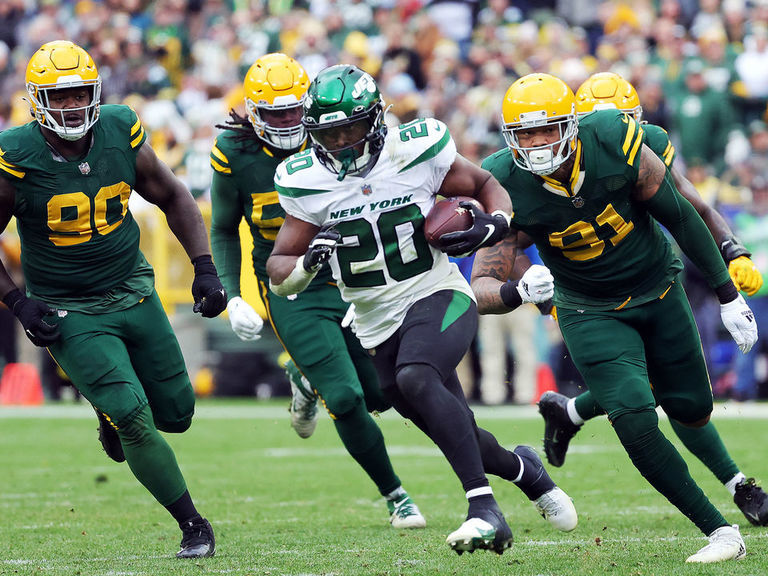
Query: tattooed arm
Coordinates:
[493,266]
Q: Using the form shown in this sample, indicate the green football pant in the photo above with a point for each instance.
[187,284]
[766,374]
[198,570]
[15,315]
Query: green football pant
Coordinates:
[339,370]
[128,364]
[618,352]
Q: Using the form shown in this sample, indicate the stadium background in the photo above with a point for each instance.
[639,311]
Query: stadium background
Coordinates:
[700,67]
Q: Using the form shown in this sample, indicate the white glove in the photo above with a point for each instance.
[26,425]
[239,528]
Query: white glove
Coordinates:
[536,285]
[739,319]
[349,318]
[244,320]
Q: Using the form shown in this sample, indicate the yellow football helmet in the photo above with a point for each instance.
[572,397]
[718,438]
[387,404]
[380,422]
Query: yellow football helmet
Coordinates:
[276,82]
[55,66]
[540,100]
[608,90]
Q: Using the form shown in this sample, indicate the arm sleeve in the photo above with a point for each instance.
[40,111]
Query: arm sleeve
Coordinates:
[679,216]
[225,237]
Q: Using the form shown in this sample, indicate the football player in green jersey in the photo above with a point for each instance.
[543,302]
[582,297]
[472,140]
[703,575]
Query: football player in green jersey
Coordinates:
[67,177]
[564,416]
[356,200]
[329,356]
[590,194]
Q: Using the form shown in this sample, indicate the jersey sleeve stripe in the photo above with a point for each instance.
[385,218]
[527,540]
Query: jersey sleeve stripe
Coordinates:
[139,139]
[429,153]
[135,128]
[669,154]
[298,192]
[219,168]
[219,155]
[635,147]
[12,169]
[631,127]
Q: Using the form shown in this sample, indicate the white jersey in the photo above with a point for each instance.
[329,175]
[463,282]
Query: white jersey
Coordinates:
[383,263]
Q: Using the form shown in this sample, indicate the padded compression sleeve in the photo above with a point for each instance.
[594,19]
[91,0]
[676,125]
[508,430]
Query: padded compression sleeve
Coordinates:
[679,216]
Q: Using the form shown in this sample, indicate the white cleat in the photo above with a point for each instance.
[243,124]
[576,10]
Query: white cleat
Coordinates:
[725,543]
[478,534]
[404,514]
[303,406]
[557,508]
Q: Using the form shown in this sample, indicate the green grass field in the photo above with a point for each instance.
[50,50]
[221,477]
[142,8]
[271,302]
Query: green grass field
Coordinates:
[285,506]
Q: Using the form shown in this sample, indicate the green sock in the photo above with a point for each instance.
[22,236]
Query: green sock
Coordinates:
[151,459]
[705,443]
[365,443]
[586,406]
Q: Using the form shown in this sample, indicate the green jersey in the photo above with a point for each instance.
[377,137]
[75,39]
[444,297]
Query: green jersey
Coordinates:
[657,139]
[79,241]
[243,186]
[604,249]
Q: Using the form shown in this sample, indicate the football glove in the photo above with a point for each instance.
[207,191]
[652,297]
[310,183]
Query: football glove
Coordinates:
[321,248]
[207,291]
[745,275]
[31,314]
[739,319]
[537,285]
[245,322]
[487,229]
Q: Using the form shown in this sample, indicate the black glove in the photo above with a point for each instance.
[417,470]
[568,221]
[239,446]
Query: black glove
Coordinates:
[321,248]
[31,313]
[487,229]
[210,297]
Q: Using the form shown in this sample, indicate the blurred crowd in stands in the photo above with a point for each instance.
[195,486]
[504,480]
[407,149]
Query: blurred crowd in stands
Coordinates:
[700,68]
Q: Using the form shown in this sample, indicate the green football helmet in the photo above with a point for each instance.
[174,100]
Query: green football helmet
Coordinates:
[344,115]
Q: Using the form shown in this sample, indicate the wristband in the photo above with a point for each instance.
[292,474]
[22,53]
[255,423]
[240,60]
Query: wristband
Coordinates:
[204,265]
[13,298]
[731,248]
[510,296]
[727,292]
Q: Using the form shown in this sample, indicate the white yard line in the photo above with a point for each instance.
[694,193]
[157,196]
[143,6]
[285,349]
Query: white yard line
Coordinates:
[258,411]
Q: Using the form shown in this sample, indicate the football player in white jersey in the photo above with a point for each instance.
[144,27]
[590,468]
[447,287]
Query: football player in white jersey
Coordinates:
[357,200]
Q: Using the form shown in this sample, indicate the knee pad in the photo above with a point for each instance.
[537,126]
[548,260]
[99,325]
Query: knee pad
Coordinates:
[635,429]
[136,431]
[176,427]
[413,379]
[688,411]
[343,401]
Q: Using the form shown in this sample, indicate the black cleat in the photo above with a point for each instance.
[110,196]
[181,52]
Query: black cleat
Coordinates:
[558,428]
[752,501]
[108,437]
[486,529]
[197,540]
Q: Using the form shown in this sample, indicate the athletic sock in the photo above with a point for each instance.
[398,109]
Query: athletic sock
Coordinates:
[705,443]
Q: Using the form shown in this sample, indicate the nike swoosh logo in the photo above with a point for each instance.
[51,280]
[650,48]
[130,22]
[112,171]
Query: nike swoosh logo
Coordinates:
[491,230]
[754,516]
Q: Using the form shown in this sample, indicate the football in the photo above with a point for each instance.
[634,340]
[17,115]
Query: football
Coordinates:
[447,216]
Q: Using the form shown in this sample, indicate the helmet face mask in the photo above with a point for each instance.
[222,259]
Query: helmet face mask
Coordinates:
[344,115]
[607,90]
[276,83]
[533,102]
[56,67]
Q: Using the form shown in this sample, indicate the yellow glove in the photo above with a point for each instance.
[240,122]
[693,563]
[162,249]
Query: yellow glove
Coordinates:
[745,275]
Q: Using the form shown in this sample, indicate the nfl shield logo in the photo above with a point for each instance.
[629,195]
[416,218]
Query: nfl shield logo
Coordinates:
[367,190]
[85,168]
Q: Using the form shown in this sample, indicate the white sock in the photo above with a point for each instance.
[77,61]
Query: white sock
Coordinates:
[731,484]
[395,494]
[573,414]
